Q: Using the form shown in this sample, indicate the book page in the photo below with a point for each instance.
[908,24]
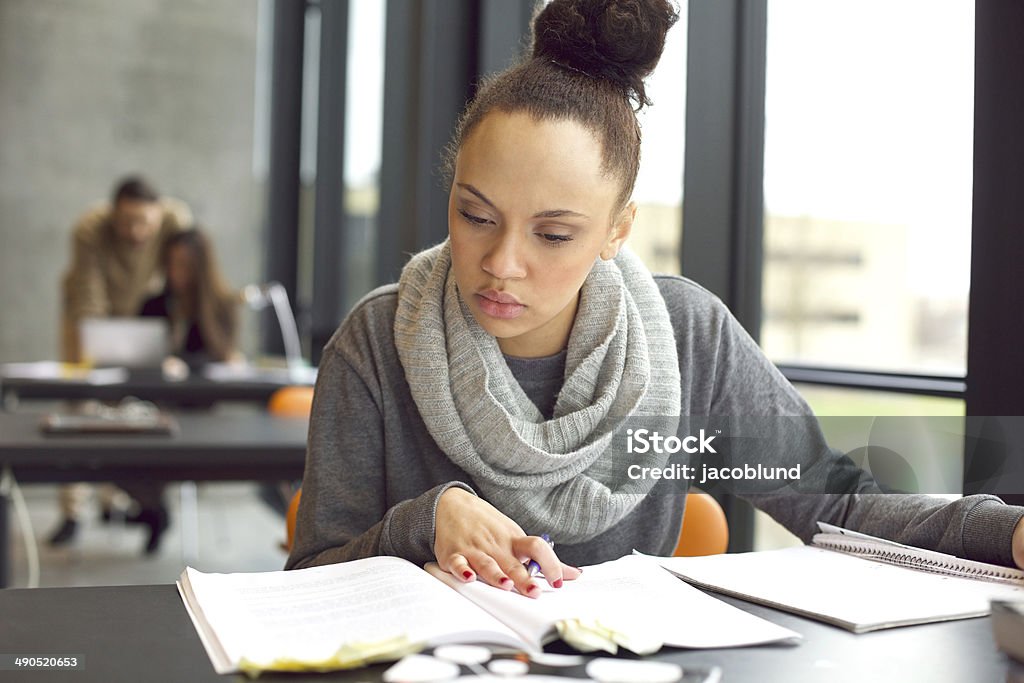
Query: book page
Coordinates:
[632,595]
[857,594]
[307,614]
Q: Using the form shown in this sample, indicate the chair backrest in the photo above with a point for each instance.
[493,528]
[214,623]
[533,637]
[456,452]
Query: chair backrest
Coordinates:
[705,531]
[289,518]
[294,401]
[291,402]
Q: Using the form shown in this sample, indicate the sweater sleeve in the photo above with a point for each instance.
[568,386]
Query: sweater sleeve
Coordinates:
[977,527]
[84,291]
[343,514]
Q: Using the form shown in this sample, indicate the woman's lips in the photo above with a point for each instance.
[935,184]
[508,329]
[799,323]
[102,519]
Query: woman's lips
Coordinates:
[499,304]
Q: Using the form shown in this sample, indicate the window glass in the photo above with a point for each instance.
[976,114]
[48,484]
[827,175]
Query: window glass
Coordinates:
[364,116]
[839,409]
[918,441]
[659,185]
[840,401]
[867,183]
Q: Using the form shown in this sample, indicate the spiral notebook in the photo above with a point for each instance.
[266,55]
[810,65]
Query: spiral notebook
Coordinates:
[855,581]
[890,552]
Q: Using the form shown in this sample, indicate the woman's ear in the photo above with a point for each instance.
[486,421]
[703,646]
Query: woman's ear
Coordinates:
[619,232]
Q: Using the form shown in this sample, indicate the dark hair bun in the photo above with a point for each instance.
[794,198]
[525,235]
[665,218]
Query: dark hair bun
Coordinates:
[616,40]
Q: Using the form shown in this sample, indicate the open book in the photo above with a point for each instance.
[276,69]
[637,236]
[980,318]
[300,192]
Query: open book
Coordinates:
[856,581]
[381,608]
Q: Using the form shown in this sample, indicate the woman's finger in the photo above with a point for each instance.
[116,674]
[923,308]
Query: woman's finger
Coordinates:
[524,583]
[540,551]
[458,566]
[490,572]
[571,573]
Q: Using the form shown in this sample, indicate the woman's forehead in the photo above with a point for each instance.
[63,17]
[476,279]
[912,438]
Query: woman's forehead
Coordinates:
[520,132]
[516,156]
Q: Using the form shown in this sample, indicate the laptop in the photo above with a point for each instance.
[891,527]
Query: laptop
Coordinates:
[128,342]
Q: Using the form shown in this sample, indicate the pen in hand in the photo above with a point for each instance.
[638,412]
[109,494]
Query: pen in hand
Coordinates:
[532,567]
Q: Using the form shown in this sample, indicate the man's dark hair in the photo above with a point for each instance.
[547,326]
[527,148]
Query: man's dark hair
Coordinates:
[135,188]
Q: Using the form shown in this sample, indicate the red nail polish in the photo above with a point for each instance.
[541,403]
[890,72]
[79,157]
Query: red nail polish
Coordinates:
[467,574]
[505,581]
[557,583]
[533,587]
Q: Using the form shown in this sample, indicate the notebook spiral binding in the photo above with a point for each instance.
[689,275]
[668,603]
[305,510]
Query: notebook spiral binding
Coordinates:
[924,560]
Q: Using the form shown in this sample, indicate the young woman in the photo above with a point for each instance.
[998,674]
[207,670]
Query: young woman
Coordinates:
[201,311]
[463,413]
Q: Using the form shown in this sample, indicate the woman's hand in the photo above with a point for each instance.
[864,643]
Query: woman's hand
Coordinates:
[472,538]
[174,369]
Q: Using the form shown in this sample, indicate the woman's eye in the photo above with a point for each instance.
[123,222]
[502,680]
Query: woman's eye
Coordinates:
[555,238]
[473,219]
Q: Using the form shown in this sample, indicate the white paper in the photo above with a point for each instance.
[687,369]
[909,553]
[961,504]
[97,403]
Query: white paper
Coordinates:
[858,594]
[55,371]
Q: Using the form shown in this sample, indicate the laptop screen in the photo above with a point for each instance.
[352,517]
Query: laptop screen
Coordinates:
[130,342]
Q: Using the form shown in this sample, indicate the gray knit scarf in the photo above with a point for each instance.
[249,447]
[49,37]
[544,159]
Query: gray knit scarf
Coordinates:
[547,475]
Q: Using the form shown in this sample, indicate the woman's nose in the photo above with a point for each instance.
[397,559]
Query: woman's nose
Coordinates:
[504,259]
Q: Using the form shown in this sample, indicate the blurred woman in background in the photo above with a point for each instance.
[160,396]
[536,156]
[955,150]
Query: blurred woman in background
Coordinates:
[202,316]
[201,310]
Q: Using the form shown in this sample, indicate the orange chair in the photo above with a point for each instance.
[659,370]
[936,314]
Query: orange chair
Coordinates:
[705,531]
[291,402]
[289,520]
[296,401]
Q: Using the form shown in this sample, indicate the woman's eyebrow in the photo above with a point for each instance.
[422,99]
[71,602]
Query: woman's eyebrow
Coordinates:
[551,213]
[559,213]
[480,195]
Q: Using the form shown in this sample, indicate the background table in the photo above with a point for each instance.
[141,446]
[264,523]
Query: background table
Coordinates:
[150,385]
[142,633]
[211,445]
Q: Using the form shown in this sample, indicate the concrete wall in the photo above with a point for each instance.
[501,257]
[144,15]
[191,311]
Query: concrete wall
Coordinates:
[93,89]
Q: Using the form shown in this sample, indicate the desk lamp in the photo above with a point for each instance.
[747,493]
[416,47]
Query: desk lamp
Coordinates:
[258,297]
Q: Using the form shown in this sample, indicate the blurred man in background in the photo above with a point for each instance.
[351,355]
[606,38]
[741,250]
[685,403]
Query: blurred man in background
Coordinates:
[115,266]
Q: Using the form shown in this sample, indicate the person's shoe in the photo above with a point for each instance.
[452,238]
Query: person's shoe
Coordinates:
[65,533]
[113,512]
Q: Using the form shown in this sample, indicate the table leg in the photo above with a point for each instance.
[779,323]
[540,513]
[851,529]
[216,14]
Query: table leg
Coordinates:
[5,539]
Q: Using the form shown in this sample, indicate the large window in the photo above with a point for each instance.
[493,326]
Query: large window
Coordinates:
[659,185]
[363,129]
[867,183]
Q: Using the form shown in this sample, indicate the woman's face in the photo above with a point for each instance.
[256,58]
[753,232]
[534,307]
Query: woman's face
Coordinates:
[530,211]
[181,269]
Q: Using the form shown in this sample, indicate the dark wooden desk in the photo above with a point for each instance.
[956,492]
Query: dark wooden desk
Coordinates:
[217,445]
[142,633]
[211,445]
[147,384]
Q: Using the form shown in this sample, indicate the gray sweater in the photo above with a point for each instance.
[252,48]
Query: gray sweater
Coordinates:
[374,475]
